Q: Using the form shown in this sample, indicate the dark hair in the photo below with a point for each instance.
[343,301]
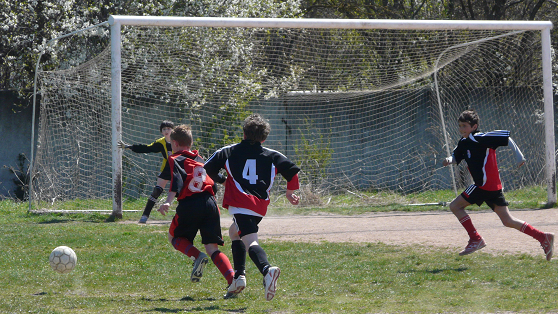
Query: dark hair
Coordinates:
[166,124]
[183,135]
[256,128]
[469,116]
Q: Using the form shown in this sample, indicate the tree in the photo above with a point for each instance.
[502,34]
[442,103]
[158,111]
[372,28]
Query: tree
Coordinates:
[530,10]
[30,24]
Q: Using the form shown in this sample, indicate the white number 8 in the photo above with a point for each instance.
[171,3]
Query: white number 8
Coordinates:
[196,184]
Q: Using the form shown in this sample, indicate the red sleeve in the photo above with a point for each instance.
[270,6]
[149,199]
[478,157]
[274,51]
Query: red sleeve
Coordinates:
[293,184]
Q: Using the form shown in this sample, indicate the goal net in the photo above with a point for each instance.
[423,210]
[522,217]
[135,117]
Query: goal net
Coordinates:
[368,114]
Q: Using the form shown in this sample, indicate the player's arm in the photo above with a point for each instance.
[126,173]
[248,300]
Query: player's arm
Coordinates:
[519,158]
[154,147]
[289,170]
[121,144]
[449,161]
[455,158]
[292,186]
[176,185]
[164,208]
[214,165]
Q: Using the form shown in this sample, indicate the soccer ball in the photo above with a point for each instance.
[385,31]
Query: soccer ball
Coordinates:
[63,259]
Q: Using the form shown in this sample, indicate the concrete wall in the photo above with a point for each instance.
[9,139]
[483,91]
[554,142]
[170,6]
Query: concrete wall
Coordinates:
[15,133]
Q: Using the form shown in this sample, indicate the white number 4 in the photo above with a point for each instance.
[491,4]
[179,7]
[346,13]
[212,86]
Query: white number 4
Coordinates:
[249,171]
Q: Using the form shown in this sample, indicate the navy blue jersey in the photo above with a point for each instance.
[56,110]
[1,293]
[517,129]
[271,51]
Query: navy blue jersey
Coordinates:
[479,151]
[251,171]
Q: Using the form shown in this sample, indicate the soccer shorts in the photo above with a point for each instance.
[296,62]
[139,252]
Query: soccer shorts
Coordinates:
[246,224]
[165,174]
[475,195]
[197,212]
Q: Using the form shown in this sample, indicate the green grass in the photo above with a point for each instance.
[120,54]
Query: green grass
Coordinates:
[350,203]
[130,268]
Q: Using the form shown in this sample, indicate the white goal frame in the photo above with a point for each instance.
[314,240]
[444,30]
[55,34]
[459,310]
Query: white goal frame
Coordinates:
[117,21]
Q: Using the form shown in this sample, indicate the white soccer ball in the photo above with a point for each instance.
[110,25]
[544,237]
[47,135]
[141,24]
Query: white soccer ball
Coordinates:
[63,259]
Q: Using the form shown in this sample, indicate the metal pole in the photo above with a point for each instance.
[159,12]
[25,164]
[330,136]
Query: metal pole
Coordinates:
[326,23]
[116,118]
[548,118]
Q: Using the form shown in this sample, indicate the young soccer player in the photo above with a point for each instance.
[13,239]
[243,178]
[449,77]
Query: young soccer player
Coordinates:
[197,208]
[163,146]
[479,151]
[251,170]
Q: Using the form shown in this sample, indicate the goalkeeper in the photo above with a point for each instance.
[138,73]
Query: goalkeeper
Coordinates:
[162,146]
[478,149]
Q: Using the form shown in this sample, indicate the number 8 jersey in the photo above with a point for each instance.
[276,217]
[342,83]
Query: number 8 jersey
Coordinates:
[188,175]
[251,171]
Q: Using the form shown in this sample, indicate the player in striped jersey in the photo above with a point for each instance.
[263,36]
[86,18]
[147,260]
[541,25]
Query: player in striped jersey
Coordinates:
[479,151]
[197,208]
[251,170]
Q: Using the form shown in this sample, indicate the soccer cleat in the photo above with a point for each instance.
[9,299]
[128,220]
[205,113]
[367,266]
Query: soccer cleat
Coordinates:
[548,245]
[472,246]
[236,287]
[270,282]
[199,265]
[143,219]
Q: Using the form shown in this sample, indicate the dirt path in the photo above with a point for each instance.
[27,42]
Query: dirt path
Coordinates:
[440,229]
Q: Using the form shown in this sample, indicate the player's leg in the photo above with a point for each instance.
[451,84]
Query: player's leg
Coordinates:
[457,207]
[507,219]
[238,251]
[239,259]
[157,191]
[247,226]
[546,239]
[221,261]
[183,229]
[210,231]
[259,257]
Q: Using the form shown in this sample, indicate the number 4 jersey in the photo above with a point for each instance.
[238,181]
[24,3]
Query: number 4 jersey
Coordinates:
[251,171]
[188,175]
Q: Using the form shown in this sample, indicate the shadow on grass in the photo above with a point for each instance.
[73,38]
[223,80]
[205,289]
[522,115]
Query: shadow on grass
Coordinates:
[54,221]
[197,309]
[435,270]
[201,309]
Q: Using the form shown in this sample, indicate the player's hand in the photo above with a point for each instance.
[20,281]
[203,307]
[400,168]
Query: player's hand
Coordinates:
[293,198]
[121,144]
[164,209]
[446,162]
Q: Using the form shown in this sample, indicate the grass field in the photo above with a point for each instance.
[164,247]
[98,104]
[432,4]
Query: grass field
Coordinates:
[130,268]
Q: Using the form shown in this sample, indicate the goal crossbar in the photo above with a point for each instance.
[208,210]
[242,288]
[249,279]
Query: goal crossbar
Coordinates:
[173,21]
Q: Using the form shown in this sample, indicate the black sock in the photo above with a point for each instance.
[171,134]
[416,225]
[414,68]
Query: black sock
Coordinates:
[148,207]
[258,256]
[239,257]
[157,190]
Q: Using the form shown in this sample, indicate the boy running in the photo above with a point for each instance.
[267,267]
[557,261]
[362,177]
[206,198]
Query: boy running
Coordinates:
[162,146]
[197,208]
[251,170]
[479,151]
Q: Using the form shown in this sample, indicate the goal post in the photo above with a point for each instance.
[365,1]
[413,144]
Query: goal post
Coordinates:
[116,21]
[361,105]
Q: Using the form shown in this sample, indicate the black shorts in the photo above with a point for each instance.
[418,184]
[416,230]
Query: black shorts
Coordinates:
[246,224]
[198,212]
[475,195]
[165,174]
